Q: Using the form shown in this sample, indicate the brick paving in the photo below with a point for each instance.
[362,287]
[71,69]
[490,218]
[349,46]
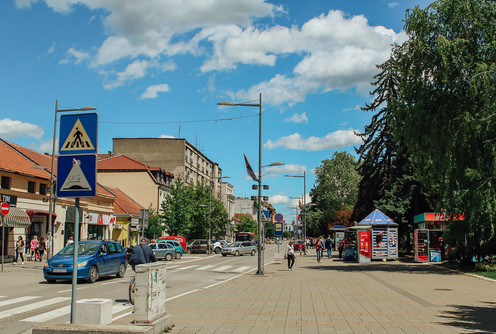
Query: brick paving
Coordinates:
[339,297]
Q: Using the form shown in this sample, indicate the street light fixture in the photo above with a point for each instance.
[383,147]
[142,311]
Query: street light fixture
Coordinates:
[304,202]
[260,270]
[50,208]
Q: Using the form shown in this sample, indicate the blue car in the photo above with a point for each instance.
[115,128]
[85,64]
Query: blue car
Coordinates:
[96,258]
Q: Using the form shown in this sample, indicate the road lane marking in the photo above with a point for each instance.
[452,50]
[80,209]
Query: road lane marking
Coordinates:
[49,315]
[205,267]
[30,307]
[112,282]
[68,290]
[240,269]
[223,268]
[17,300]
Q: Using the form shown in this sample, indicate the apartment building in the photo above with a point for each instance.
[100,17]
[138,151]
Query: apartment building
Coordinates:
[176,155]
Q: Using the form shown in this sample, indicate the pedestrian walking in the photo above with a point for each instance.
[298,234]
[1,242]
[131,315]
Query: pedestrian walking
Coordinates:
[19,249]
[318,246]
[41,248]
[290,255]
[34,248]
[340,248]
[328,246]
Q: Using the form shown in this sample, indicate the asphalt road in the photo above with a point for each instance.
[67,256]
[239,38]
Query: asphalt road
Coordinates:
[27,300]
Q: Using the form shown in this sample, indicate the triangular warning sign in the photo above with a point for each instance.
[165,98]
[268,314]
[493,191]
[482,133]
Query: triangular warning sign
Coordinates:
[77,139]
[76,179]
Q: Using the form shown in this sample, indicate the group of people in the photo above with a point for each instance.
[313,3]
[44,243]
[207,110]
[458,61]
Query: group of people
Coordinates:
[37,249]
[319,243]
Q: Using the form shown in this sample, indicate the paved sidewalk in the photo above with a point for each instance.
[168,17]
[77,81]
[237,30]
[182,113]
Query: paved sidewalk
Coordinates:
[337,297]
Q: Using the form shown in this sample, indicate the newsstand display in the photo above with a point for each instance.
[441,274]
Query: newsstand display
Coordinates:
[384,235]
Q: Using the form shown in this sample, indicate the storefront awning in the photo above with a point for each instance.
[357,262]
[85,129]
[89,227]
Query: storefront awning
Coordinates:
[17,218]
[31,213]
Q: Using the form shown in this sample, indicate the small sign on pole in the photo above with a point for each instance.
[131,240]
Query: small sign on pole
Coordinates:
[4,210]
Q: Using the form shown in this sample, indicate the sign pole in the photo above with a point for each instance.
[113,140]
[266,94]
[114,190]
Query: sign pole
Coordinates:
[3,238]
[75,263]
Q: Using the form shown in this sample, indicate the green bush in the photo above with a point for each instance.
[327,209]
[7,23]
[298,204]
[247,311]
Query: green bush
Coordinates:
[488,264]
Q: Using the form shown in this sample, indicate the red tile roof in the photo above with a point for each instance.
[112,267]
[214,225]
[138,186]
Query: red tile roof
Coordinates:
[13,159]
[121,162]
[124,204]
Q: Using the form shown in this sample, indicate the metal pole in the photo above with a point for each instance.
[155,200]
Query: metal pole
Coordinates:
[3,238]
[260,229]
[304,210]
[209,251]
[75,263]
[50,201]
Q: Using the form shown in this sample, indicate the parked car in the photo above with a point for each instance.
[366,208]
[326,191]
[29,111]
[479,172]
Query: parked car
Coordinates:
[217,246]
[299,245]
[197,246]
[177,245]
[240,248]
[96,258]
[163,250]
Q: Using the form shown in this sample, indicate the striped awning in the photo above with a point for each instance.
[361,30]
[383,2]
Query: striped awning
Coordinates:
[17,218]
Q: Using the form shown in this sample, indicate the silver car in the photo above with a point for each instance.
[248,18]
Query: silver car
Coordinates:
[239,248]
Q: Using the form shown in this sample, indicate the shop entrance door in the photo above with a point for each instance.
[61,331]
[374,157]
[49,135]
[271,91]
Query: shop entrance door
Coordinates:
[421,245]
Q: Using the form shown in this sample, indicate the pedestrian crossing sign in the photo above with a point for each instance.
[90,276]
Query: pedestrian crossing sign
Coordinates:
[78,134]
[76,175]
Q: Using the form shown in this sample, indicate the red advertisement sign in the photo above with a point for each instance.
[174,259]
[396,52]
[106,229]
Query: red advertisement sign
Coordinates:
[364,243]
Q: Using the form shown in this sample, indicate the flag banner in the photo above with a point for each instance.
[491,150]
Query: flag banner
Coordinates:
[300,205]
[249,170]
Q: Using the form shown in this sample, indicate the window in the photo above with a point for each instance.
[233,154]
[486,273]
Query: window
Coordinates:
[31,187]
[112,248]
[43,189]
[5,182]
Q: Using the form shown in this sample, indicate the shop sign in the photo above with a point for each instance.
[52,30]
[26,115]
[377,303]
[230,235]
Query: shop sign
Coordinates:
[11,199]
[70,214]
[135,222]
[100,219]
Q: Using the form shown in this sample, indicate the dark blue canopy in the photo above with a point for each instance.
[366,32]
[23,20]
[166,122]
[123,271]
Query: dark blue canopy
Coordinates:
[376,217]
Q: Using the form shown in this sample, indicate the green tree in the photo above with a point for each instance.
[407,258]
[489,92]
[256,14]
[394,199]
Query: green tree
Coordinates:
[336,188]
[155,225]
[177,209]
[246,224]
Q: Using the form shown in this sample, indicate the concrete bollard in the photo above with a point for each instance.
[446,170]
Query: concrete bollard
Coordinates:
[94,311]
[277,258]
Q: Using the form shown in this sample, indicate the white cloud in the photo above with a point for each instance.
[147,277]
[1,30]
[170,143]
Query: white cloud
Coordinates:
[393,4]
[133,71]
[151,92]
[297,118]
[278,199]
[12,129]
[292,169]
[335,52]
[332,141]
[166,136]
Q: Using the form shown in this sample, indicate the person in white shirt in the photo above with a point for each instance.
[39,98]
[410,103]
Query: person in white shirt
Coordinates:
[290,255]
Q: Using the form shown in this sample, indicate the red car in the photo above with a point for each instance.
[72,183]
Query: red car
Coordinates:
[299,245]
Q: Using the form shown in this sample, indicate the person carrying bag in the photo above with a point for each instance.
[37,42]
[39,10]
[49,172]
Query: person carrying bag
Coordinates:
[290,255]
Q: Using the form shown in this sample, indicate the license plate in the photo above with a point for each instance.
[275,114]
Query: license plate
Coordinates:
[59,270]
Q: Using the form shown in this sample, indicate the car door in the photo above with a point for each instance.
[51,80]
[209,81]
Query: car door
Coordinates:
[245,248]
[114,257]
[159,253]
[104,264]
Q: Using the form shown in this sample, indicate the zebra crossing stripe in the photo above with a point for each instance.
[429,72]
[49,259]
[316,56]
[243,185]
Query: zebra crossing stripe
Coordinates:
[187,267]
[223,268]
[49,315]
[240,269]
[17,300]
[30,307]
[205,267]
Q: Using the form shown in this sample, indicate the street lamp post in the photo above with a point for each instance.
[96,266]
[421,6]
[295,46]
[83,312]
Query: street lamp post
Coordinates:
[304,203]
[260,270]
[51,204]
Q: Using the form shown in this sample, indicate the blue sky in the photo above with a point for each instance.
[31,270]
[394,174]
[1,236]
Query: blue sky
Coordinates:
[158,68]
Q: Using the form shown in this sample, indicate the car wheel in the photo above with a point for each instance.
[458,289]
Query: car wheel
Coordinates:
[252,252]
[168,257]
[93,275]
[178,256]
[236,253]
[217,250]
[122,271]
[188,251]
[51,281]
[224,254]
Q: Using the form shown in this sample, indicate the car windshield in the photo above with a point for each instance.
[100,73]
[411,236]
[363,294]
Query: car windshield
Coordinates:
[236,244]
[83,249]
